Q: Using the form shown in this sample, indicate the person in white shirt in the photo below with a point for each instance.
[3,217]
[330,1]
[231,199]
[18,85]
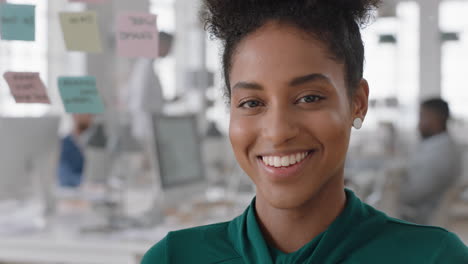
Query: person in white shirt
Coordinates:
[144,94]
[433,169]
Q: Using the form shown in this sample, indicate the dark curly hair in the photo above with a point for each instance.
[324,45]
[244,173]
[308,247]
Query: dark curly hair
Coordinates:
[336,23]
[439,106]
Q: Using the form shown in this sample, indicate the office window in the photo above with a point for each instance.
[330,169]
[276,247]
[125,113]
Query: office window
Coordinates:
[46,55]
[25,56]
[453,25]
[391,65]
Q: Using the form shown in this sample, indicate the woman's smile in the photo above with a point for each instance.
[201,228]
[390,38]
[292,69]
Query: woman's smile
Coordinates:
[285,167]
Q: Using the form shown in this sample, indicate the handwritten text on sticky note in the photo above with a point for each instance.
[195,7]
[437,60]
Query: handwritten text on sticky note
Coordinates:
[80,95]
[17,22]
[80,31]
[137,35]
[27,87]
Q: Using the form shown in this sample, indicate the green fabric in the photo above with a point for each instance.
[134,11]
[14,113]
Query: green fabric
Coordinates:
[299,256]
[360,234]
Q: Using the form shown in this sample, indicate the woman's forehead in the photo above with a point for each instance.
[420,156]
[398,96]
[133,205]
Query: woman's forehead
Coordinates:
[281,52]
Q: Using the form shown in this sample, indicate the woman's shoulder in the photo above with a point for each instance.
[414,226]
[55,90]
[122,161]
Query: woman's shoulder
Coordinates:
[209,244]
[436,244]
[400,228]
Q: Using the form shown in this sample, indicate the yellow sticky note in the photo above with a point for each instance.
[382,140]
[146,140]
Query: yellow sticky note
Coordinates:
[80,31]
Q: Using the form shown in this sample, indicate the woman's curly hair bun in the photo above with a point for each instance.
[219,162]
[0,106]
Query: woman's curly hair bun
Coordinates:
[222,17]
[336,23]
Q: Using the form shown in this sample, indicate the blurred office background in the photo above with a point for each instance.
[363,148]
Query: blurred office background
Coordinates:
[182,173]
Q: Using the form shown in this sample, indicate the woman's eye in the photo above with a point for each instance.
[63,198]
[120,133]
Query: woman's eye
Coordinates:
[310,99]
[250,104]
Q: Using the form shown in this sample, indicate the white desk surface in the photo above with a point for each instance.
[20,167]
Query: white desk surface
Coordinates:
[49,248]
[126,247]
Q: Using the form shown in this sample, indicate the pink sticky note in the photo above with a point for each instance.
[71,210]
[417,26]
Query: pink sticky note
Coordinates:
[90,1]
[27,87]
[137,35]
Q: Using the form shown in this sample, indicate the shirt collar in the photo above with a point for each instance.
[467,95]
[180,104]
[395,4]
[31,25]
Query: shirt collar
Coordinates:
[353,227]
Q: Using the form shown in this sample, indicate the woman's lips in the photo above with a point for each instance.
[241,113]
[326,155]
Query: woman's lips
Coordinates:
[284,173]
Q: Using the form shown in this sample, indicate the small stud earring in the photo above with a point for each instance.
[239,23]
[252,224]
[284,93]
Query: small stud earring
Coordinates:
[357,124]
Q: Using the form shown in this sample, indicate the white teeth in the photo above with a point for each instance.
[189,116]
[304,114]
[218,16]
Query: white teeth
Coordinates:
[284,161]
[277,161]
[292,159]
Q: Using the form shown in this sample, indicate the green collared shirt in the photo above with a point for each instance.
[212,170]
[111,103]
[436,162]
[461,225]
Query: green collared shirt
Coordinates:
[360,234]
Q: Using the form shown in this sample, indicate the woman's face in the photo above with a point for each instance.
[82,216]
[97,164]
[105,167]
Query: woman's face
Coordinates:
[290,114]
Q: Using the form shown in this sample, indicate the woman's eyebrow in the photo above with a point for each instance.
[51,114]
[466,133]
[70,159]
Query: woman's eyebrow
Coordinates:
[294,82]
[309,78]
[247,85]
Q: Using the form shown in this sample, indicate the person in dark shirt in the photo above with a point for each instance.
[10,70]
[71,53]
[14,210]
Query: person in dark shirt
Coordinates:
[71,163]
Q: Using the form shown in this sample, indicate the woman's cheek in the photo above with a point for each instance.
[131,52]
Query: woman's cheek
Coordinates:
[337,134]
[241,135]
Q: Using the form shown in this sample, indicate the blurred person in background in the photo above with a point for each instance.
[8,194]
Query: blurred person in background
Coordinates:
[144,93]
[434,168]
[71,162]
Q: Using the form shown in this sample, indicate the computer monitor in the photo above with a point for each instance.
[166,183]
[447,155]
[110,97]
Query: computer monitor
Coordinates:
[29,147]
[178,157]
[98,158]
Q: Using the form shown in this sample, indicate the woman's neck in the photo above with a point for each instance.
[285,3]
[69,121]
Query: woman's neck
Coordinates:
[290,229]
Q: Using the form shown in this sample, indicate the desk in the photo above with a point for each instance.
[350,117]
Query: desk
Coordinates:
[47,249]
[53,247]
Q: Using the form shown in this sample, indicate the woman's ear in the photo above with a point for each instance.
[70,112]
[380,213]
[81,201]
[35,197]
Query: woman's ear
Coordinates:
[361,100]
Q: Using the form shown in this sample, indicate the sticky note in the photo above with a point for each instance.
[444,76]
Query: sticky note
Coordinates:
[27,87]
[137,35]
[80,31]
[80,95]
[18,22]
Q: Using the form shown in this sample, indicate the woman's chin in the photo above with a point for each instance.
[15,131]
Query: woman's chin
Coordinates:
[287,200]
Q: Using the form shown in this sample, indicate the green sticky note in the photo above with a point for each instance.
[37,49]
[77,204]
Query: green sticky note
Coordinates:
[80,31]
[80,95]
[18,22]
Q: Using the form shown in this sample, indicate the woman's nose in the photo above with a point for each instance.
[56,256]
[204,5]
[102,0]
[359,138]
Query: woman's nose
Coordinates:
[279,126]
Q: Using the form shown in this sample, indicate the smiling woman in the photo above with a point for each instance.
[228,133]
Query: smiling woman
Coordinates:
[293,72]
